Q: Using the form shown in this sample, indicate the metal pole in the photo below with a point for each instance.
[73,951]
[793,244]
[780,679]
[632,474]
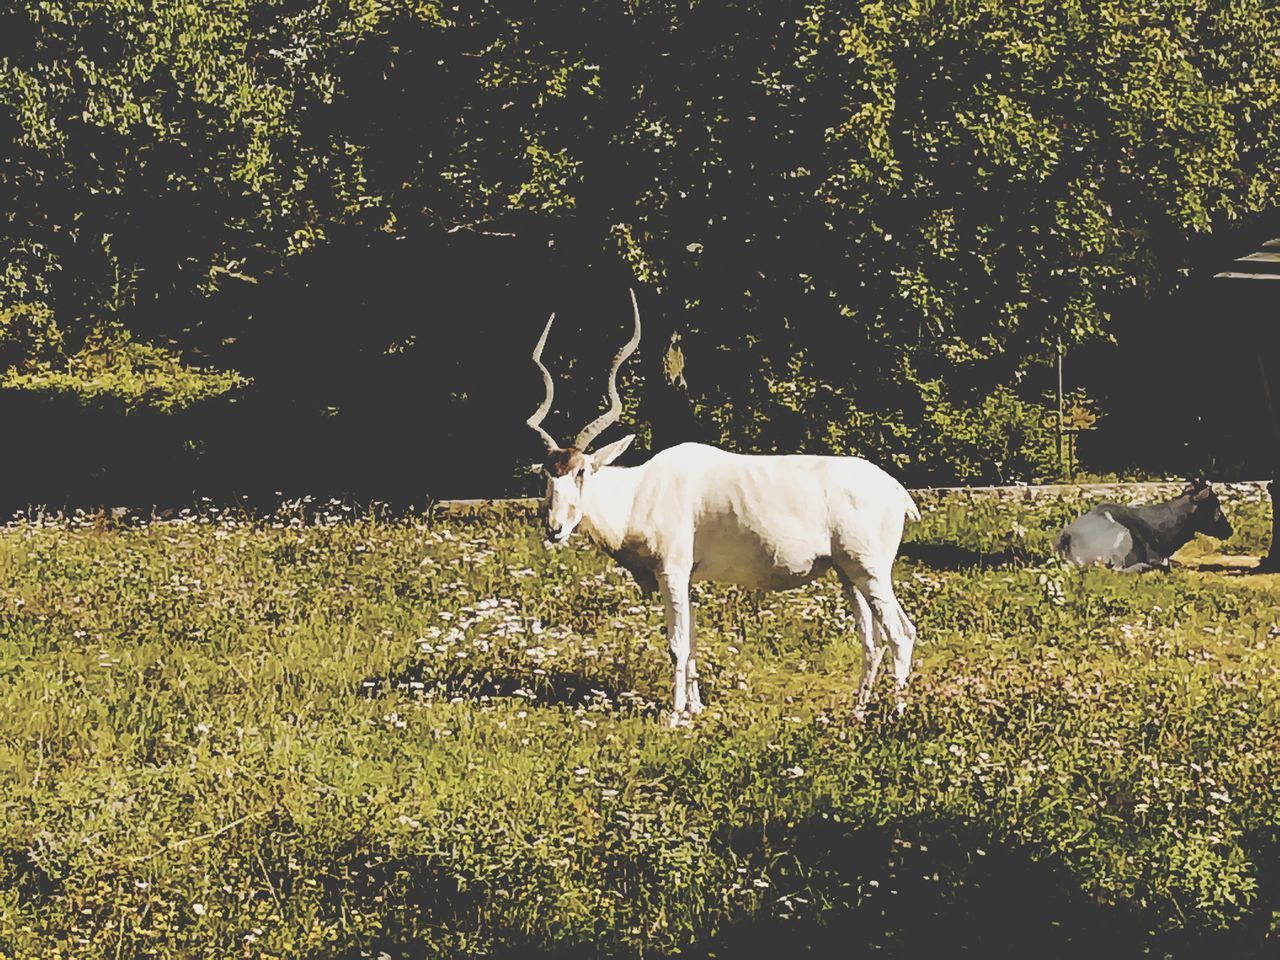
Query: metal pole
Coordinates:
[1272,560]
[1271,408]
[1061,470]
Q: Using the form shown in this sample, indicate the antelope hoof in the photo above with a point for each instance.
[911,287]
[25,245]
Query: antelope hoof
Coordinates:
[679,718]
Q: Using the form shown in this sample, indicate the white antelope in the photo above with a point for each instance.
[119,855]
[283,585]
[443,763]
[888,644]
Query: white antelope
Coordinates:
[695,512]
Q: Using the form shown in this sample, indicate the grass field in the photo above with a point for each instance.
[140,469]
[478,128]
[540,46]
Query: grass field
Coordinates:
[342,736]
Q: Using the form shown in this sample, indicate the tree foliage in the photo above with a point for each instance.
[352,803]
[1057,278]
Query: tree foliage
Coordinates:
[834,211]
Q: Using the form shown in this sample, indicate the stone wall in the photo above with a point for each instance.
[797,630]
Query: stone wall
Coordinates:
[1252,491]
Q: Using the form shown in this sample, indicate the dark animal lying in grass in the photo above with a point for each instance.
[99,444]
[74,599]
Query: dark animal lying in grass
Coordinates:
[1135,539]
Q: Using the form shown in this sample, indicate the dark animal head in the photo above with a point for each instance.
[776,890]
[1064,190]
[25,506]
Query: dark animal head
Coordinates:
[1208,517]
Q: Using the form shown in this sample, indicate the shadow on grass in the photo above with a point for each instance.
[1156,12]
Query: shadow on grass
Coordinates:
[475,683]
[929,889]
[1228,569]
[952,556]
[913,889]
[23,875]
[421,887]
[1235,567]
[1242,569]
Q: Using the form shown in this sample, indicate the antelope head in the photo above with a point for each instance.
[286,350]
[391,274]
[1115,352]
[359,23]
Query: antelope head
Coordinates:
[568,470]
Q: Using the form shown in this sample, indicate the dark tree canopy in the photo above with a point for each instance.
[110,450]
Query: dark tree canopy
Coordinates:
[848,224]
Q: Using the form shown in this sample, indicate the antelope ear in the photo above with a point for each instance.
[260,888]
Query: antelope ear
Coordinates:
[606,455]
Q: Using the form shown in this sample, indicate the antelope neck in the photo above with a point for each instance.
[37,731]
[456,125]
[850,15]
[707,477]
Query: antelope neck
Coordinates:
[606,505]
[1172,524]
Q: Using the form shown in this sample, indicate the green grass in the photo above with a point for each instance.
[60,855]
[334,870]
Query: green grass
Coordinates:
[223,738]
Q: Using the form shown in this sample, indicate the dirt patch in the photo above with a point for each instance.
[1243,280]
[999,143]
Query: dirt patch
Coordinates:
[1237,567]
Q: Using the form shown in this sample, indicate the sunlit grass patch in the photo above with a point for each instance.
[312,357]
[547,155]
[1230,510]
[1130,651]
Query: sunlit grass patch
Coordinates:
[321,733]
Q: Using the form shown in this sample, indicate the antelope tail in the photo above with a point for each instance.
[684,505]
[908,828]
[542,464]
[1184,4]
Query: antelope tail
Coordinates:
[912,511]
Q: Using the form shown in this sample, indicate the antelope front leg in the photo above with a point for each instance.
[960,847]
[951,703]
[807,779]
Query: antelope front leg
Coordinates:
[695,696]
[675,597]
